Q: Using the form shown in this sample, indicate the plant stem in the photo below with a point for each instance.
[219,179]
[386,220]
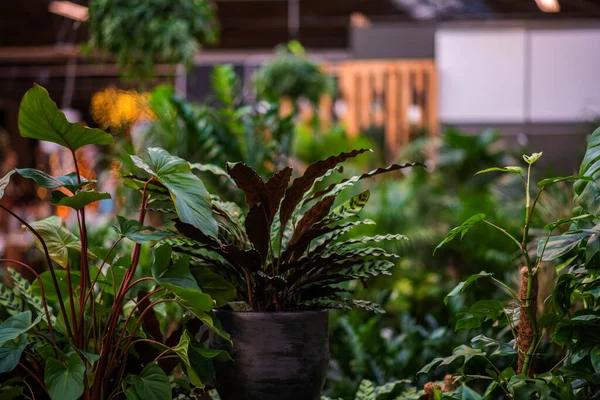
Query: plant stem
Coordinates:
[50,267]
[503,231]
[44,303]
[34,376]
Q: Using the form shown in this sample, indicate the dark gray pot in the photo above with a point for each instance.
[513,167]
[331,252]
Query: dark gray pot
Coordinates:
[277,355]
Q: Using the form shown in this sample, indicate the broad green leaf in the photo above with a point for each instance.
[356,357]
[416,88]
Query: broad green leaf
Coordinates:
[588,192]
[133,230]
[197,359]
[46,181]
[40,118]
[16,325]
[79,200]
[511,169]
[213,169]
[152,384]
[523,387]
[64,382]
[560,245]
[465,284]
[188,294]
[58,239]
[4,182]
[10,353]
[469,394]
[563,221]
[471,317]
[463,351]
[495,347]
[49,289]
[595,358]
[187,191]
[462,230]
[571,178]
[220,289]
[366,391]
[532,158]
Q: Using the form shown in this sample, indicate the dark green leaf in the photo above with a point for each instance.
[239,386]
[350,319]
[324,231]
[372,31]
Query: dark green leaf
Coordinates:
[133,230]
[46,181]
[40,118]
[16,325]
[560,245]
[462,229]
[595,358]
[571,178]
[512,169]
[152,384]
[588,192]
[64,382]
[187,191]
[79,200]
[463,285]
[220,289]
[10,353]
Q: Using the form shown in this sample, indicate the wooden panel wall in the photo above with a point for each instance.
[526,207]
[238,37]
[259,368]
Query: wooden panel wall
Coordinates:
[386,93]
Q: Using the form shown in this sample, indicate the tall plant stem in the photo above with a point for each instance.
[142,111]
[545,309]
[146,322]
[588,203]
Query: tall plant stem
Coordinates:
[42,292]
[61,303]
[103,368]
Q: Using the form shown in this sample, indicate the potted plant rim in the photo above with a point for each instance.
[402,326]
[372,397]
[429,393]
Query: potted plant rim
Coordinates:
[276,269]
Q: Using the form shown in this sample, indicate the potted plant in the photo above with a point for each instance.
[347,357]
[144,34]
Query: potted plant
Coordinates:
[280,267]
[89,327]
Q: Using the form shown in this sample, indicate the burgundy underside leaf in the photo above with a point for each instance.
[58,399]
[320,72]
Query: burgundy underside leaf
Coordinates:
[294,194]
[314,215]
[258,229]
[276,186]
[250,183]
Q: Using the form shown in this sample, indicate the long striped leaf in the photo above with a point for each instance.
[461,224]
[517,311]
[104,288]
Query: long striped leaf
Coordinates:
[366,391]
[367,268]
[11,301]
[349,208]
[32,299]
[334,189]
[320,243]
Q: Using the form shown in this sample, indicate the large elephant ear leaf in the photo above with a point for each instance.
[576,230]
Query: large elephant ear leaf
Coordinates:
[40,118]
[192,200]
[65,382]
[295,193]
[587,193]
[58,239]
[151,384]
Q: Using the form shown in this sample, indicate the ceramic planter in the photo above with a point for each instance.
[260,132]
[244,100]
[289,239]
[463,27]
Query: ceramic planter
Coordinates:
[277,355]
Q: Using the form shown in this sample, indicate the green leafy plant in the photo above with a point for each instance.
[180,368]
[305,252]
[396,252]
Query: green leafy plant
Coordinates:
[88,326]
[510,366]
[285,252]
[168,31]
[208,134]
[293,75]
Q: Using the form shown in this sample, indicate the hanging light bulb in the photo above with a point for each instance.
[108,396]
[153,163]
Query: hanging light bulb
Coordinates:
[549,6]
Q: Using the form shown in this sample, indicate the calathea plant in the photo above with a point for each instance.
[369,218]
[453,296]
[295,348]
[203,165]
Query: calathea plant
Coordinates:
[285,253]
[88,326]
[510,363]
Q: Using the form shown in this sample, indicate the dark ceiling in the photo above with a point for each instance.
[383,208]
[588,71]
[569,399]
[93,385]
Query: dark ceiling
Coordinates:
[252,24]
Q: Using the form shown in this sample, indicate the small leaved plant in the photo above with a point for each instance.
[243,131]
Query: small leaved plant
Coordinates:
[286,252]
[88,326]
[510,369]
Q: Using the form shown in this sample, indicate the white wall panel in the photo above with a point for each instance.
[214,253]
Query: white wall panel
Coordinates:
[565,78]
[481,74]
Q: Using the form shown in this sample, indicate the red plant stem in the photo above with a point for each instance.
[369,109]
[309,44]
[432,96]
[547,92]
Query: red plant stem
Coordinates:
[141,318]
[72,303]
[113,319]
[122,334]
[44,303]
[34,376]
[147,278]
